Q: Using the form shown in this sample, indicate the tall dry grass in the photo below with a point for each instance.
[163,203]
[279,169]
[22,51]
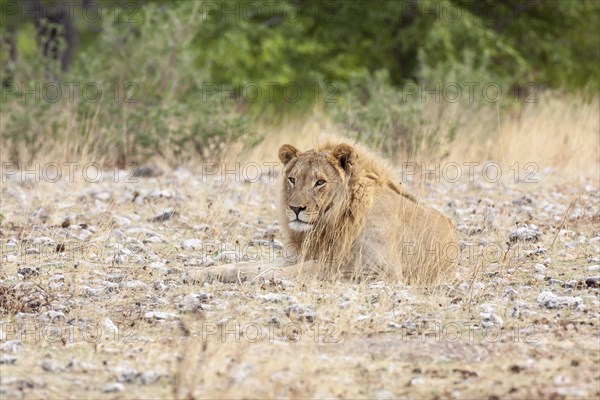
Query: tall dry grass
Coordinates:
[559,131]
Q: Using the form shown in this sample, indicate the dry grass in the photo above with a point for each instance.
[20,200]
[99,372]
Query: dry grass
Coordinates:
[559,132]
[375,340]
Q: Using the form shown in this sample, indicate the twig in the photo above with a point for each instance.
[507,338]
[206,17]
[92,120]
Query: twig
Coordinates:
[477,268]
[562,224]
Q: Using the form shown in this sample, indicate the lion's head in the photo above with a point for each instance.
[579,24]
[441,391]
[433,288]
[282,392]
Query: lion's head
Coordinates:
[316,184]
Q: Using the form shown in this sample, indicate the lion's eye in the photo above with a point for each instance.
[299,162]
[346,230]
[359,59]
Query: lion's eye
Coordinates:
[292,180]
[320,182]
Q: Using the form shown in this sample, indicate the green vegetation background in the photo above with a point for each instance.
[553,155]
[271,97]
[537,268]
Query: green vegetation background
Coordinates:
[196,74]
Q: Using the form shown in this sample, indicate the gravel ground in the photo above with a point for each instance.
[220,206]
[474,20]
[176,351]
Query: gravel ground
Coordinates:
[98,298]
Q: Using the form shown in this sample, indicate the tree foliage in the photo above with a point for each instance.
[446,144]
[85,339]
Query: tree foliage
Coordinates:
[554,43]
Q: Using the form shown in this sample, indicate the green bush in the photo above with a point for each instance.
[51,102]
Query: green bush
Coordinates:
[151,101]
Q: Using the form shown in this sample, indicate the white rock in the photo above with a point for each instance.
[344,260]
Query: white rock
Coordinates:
[539,268]
[275,298]
[126,375]
[491,320]
[191,303]
[526,233]
[416,381]
[121,221]
[43,240]
[109,326]
[54,316]
[11,347]
[49,366]
[539,277]
[510,293]
[364,317]
[159,266]
[349,295]
[160,315]
[393,324]
[149,377]
[113,387]
[135,285]
[191,244]
[550,300]
[101,195]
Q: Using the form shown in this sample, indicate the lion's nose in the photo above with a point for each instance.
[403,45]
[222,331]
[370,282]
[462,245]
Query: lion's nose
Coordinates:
[297,210]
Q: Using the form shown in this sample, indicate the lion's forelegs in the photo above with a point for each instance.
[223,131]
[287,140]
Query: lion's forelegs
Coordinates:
[251,271]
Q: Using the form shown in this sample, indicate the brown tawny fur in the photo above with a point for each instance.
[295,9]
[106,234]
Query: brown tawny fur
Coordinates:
[340,206]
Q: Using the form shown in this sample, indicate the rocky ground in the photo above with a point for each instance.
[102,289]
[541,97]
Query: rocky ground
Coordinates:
[97,299]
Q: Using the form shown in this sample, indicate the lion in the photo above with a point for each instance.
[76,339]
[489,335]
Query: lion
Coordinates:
[344,217]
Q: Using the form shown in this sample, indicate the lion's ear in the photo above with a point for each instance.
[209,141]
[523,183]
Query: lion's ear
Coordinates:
[345,155]
[287,153]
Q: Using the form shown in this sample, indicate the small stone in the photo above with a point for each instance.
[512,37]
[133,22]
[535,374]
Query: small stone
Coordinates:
[121,221]
[593,268]
[165,215]
[385,394]
[160,315]
[301,312]
[126,375]
[109,326]
[394,325]
[272,320]
[550,300]
[26,272]
[274,297]
[557,282]
[49,366]
[113,387]
[510,293]
[191,244]
[539,268]
[101,195]
[54,316]
[416,381]
[365,317]
[159,266]
[491,320]
[572,283]
[593,282]
[525,233]
[135,285]
[349,295]
[539,277]
[7,359]
[149,377]
[11,347]
[191,303]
